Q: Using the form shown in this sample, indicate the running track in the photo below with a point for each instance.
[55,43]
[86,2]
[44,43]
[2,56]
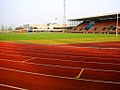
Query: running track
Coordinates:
[90,66]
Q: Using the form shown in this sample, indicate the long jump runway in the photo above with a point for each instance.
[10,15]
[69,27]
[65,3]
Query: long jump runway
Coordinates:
[94,66]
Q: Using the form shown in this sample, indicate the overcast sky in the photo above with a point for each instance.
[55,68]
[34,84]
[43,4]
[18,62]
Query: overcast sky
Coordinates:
[19,12]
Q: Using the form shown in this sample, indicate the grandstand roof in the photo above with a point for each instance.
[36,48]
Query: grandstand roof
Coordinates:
[101,17]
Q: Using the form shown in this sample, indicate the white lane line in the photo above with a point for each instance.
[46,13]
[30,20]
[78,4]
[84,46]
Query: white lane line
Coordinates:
[69,67]
[81,61]
[79,47]
[14,54]
[28,60]
[111,48]
[13,87]
[60,66]
[34,51]
[29,57]
[90,47]
[100,63]
[55,50]
[58,45]
[83,47]
[32,73]
[59,55]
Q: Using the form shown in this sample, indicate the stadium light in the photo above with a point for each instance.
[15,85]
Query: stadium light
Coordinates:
[64,17]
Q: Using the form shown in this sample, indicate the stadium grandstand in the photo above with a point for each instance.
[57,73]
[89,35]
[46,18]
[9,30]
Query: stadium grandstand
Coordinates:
[104,24]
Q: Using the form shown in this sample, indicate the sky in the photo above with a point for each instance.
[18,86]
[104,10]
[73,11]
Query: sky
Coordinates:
[20,12]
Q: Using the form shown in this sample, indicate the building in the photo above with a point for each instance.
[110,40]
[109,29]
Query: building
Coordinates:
[50,27]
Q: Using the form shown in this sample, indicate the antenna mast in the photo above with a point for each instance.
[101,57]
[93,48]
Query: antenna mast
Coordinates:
[64,17]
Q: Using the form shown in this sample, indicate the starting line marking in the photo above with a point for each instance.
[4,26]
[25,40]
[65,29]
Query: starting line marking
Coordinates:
[9,86]
[80,74]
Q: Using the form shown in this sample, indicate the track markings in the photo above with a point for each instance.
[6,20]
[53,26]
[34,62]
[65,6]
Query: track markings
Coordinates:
[93,47]
[60,66]
[32,73]
[13,87]
[27,60]
[80,74]
[59,55]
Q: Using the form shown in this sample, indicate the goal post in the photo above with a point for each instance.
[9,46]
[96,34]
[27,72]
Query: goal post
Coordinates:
[117,21]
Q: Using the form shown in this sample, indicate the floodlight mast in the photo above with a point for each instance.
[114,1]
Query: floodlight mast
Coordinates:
[64,17]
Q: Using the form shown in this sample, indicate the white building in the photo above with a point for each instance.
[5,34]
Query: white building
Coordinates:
[50,27]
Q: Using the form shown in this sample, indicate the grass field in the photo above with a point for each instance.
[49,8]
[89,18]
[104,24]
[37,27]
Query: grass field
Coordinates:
[58,38]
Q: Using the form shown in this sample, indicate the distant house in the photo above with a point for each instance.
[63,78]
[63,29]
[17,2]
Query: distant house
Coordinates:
[19,30]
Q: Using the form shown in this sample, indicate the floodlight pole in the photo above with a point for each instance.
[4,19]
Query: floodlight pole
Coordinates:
[64,17]
[117,26]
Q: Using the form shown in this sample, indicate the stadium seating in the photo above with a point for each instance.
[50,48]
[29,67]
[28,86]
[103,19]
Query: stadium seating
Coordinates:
[100,26]
[79,28]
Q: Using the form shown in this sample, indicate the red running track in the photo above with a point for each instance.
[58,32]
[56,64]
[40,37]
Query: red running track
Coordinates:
[52,67]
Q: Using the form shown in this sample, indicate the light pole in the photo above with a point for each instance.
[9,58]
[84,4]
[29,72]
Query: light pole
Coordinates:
[64,17]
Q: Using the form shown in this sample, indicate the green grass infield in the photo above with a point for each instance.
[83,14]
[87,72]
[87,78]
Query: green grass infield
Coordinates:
[57,38]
